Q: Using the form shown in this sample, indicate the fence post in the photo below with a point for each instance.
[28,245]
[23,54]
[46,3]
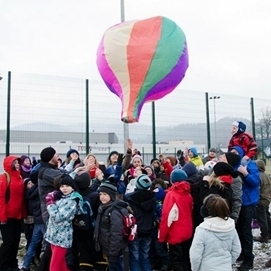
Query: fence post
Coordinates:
[87,118]
[153,131]
[208,120]
[252,117]
[8,114]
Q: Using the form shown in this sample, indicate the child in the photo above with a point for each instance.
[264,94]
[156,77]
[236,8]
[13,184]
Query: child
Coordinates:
[244,140]
[109,227]
[216,245]
[176,225]
[62,207]
[158,253]
[192,156]
[33,202]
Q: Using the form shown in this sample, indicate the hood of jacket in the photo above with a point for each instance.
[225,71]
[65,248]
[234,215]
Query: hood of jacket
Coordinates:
[7,164]
[261,165]
[182,187]
[219,226]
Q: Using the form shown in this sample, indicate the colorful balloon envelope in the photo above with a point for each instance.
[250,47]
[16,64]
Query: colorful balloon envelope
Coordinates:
[142,61]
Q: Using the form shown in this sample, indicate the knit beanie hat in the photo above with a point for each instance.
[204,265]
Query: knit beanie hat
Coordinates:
[143,182]
[23,158]
[137,156]
[110,154]
[159,193]
[109,188]
[233,158]
[70,151]
[190,169]
[67,180]
[241,126]
[155,160]
[222,169]
[212,150]
[26,181]
[83,180]
[194,151]
[47,154]
[178,175]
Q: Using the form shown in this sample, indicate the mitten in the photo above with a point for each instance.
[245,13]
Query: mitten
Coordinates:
[120,158]
[51,198]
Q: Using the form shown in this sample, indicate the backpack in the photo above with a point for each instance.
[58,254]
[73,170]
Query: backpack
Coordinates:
[129,223]
[86,220]
[7,195]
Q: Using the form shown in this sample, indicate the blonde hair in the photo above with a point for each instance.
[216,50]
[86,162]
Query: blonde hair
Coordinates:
[215,181]
[92,155]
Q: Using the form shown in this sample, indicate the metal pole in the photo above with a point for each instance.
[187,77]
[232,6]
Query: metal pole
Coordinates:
[252,117]
[262,143]
[125,125]
[8,115]
[208,121]
[215,124]
[87,117]
[153,131]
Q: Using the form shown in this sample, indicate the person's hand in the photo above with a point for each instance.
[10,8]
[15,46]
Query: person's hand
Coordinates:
[206,178]
[74,156]
[120,158]
[79,169]
[99,174]
[243,170]
[161,157]
[51,198]
[129,144]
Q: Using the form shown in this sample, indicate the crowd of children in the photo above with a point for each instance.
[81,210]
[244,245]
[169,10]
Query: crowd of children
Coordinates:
[189,214]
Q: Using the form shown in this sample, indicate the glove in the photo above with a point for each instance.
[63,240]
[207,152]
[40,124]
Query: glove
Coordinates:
[120,158]
[51,198]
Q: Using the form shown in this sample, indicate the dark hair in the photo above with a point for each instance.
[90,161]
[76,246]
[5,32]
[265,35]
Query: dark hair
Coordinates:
[217,206]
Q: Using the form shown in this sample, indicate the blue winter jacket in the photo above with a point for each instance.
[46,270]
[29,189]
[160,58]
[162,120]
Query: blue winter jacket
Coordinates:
[251,185]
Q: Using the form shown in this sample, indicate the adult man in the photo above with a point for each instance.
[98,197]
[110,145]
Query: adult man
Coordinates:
[250,198]
[48,171]
[211,155]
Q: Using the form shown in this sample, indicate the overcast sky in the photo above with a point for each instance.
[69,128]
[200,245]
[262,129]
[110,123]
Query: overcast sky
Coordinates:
[228,41]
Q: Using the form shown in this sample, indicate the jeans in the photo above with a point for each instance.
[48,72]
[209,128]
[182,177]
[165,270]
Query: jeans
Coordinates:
[243,227]
[139,254]
[37,236]
[264,221]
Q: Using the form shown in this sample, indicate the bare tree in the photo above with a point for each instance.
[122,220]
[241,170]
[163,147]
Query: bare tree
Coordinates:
[263,126]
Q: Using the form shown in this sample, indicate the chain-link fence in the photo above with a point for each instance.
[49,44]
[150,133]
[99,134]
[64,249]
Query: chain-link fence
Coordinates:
[40,110]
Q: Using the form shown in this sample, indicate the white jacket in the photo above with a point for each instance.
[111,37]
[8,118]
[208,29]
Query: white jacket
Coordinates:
[215,246]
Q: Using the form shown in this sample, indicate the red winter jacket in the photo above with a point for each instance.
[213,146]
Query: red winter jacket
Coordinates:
[176,224]
[15,207]
[246,142]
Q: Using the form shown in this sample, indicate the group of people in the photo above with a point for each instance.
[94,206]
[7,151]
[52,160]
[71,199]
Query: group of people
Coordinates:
[188,216]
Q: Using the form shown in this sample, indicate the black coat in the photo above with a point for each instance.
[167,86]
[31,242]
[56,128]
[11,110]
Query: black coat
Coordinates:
[143,203]
[33,204]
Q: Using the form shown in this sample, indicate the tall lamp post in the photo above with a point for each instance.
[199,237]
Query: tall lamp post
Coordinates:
[214,98]
[125,125]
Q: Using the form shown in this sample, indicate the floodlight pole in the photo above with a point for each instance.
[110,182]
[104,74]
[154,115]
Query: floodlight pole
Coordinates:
[125,125]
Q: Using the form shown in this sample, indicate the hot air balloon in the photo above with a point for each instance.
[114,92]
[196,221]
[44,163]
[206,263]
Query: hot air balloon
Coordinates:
[142,61]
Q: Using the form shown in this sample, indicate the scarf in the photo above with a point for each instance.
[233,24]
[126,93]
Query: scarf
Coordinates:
[26,168]
[101,210]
